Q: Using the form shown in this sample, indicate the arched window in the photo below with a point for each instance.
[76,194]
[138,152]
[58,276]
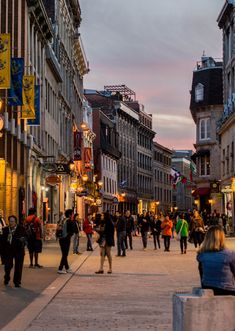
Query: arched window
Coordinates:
[204,128]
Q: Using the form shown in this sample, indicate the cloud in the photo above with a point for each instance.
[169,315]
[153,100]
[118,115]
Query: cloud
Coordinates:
[152,47]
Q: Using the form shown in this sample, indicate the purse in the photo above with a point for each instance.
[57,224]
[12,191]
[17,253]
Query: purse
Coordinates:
[178,237]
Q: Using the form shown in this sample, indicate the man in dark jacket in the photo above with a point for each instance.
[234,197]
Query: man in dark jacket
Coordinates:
[14,238]
[129,228]
[144,228]
[121,233]
[64,241]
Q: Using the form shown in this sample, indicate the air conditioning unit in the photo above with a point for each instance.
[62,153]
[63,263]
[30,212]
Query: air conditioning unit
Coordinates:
[13,127]
[6,122]
[30,141]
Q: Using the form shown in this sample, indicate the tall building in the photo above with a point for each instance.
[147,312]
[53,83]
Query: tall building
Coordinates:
[206,107]
[162,159]
[182,199]
[134,127]
[46,35]
[226,124]
[106,156]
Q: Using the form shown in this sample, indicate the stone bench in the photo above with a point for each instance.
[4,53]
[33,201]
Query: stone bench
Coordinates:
[202,311]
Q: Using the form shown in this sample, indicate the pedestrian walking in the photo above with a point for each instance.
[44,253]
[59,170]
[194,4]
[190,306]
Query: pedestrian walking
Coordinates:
[64,233]
[182,229]
[167,226]
[76,234]
[197,229]
[129,229]
[2,225]
[33,227]
[105,241]
[14,239]
[120,223]
[144,229]
[88,229]
[216,263]
[155,226]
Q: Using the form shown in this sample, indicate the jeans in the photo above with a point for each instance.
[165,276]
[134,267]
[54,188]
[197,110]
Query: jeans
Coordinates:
[156,240]
[144,238]
[167,240]
[75,243]
[128,235]
[183,244]
[64,246]
[121,237]
[89,242]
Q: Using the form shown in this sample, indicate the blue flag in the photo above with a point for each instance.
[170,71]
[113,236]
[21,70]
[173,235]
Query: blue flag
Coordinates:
[36,121]
[17,72]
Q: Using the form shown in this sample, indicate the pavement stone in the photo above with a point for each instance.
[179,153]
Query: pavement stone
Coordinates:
[137,296]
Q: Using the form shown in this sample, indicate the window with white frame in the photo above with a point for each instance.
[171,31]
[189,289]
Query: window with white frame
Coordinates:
[204,129]
[199,92]
[205,165]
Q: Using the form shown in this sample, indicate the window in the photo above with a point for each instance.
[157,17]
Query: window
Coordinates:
[199,92]
[204,129]
[205,165]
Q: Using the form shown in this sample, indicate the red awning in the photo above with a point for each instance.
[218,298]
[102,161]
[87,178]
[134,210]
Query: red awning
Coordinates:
[201,191]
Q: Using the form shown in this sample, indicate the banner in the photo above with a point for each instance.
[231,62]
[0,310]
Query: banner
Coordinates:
[15,92]
[5,60]
[77,145]
[87,158]
[28,108]
[36,121]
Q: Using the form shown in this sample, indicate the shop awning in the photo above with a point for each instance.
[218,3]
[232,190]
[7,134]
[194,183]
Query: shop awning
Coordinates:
[201,191]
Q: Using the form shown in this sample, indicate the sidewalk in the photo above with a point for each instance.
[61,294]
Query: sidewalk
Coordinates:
[34,281]
[137,296]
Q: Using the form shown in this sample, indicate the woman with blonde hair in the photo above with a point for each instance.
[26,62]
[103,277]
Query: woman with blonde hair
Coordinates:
[216,263]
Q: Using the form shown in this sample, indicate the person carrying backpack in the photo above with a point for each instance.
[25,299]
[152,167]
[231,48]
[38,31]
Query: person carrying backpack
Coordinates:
[33,228]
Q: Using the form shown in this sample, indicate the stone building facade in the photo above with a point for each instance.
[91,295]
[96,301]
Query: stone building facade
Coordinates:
[162,162]
[206,107]
[226,125]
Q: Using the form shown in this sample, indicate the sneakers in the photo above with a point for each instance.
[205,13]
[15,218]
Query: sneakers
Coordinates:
[69,271]
[61,272]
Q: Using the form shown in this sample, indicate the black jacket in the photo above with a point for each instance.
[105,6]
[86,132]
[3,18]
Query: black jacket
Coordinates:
[121,224]
[129,224]
[17,244]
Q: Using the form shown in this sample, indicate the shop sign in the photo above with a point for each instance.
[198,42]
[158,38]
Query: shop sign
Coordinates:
[115,200]
[53,180]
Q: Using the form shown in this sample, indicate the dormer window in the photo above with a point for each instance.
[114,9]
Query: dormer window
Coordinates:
[199,92]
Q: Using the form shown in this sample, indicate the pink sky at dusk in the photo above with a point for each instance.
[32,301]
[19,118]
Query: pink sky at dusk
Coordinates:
[152,47]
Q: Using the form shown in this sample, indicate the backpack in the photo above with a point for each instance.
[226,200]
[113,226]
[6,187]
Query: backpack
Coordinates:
[59,229]
[30,229]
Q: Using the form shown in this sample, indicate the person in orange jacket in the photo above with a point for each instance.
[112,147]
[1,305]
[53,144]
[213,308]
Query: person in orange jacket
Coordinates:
[167,226]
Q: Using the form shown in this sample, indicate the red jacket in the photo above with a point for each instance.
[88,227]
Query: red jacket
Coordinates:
[87,226]
[167,226]
[37,225]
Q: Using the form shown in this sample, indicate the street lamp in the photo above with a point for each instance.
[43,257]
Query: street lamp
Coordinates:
[85,177]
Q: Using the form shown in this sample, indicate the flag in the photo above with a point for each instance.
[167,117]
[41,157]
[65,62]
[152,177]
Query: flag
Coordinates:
[37,120]
[17,72]
[77,145]
[193,170]
[5,60]
[28,108]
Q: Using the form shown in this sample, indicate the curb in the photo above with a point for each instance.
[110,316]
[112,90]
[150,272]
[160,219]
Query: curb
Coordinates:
[23,320]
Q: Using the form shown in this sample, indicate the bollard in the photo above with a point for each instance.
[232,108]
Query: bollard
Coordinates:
[202,311]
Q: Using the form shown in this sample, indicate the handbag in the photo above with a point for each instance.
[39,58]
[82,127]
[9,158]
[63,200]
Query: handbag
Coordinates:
[178,237]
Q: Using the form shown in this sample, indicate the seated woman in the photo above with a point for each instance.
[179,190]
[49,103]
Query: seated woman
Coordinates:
[216,263]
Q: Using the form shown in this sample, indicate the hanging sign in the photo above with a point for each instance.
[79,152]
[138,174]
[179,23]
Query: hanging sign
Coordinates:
[5,60]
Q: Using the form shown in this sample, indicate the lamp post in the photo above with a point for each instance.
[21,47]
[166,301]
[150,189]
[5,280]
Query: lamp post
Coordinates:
[157,203]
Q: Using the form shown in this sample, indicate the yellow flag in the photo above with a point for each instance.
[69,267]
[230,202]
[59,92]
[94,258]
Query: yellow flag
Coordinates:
[28,108]
[5,60]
